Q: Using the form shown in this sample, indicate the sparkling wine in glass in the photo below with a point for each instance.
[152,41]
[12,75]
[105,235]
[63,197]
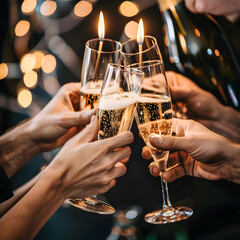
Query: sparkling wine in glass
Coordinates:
[119,95]
[154,116]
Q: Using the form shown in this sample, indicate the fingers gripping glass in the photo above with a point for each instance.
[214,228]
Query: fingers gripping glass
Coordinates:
[154,116]
[117,104]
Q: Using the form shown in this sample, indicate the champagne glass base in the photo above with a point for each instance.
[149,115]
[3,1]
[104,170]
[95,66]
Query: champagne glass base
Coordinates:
[92,205]
[170,215]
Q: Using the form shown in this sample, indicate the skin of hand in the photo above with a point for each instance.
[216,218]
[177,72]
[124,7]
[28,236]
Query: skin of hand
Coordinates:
[218,7]
[206,154]
[49,129]
[81,169]
[60,119]
[98,162]
[204,107]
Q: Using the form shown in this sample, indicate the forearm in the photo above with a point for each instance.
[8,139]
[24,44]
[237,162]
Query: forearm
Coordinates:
[228,124]
[16,148]
[33,210]
[18,194]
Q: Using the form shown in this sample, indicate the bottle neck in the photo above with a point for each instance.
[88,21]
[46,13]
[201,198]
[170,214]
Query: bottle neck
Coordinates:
[167,4]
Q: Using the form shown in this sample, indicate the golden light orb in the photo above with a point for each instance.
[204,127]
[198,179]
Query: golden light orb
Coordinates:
[24,97]
[131,29]
[128,9]
[27,62]
[3,70]
[48,8]
[22,28]
[48,63]
[28,6]
[30,79]
[83,8]
[39,57]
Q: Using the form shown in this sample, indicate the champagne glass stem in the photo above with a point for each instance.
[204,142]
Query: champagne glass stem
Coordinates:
[166,200]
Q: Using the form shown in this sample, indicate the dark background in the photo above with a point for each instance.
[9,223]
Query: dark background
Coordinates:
[215,204]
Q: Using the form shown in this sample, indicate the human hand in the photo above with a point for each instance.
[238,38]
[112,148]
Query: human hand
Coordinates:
[85,169]
[203,107]
[218,7]
[60,119]
[206,154]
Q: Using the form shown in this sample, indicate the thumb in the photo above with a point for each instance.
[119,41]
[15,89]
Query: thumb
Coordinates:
[170,143]
[72,119]
[180,93]
[89,133]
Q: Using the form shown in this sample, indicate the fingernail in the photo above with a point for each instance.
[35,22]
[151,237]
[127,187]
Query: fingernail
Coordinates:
[161,174]
[156,139]
[93,119]
[150,169]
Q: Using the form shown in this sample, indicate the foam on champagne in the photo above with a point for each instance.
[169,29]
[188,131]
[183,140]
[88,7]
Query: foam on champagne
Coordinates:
[92,87]
[117,100]
[153,99]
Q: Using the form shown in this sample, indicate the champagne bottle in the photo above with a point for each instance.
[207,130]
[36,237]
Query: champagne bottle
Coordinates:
[200,50]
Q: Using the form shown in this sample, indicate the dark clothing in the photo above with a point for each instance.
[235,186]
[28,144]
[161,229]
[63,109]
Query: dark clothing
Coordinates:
[5,186]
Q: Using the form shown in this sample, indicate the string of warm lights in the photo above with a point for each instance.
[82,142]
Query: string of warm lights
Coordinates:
[39,64]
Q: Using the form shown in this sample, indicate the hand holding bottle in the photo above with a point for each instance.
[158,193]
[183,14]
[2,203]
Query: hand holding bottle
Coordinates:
[206,154]
[218,7]
[204,107]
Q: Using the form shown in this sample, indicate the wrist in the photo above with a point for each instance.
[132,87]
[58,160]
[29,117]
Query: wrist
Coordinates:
[55,179]
[16,148]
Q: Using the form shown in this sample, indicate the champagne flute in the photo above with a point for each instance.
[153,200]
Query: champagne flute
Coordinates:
[93,69]
[118,99]
[154,116]
[130,50]
[150,51]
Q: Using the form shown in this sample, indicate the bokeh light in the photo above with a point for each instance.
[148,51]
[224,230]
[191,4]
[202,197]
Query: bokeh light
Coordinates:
[28,6]
[39,57]
[198,34]
[27,62]
[22,28]
[30,79]
[51,85]
[83,8]
[217,53]
[48,8]
[128,9]
[3,70]
[131,29]
[48,63]
[24,97]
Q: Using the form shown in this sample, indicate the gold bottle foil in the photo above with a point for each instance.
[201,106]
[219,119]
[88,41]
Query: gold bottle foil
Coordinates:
[167,4]
[170,4]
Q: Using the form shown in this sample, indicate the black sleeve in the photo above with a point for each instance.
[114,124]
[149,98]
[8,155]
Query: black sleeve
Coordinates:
[5,186]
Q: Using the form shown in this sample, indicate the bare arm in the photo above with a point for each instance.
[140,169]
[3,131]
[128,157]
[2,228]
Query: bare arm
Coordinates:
[27,217]
[81,169]
[49,129]
[18,194]
[16,149]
